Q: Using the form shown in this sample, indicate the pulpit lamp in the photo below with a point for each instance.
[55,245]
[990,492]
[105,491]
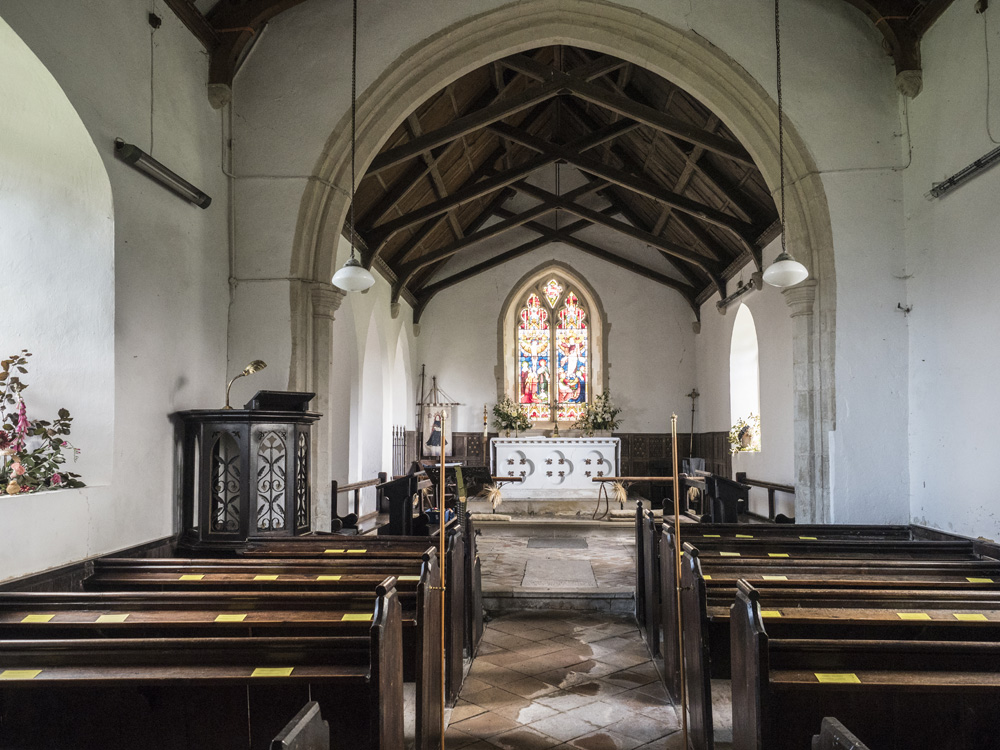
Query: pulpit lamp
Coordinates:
[785,271]
[256,366]
[353,277]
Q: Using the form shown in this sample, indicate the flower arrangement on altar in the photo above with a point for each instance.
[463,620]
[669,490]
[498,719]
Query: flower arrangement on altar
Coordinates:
[599,415]
[508,416]
[31,452]
[745,434]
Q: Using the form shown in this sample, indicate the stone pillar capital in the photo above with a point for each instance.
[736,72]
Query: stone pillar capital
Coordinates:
[801,297]
[325,298]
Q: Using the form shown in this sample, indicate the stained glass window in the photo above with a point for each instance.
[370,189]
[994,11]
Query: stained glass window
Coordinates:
[533,354]
[572,350]
[565,343]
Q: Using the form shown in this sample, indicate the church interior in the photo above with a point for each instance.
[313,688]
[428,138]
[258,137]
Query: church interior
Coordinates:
[498,374]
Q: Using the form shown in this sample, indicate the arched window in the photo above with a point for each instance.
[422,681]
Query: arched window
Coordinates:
[552,329]
[744,378]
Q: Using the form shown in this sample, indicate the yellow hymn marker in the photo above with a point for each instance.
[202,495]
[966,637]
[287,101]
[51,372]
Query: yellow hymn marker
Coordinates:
[777,554]
[775,578]
[20,674]
[331,551]
[729,554]
[809,538]
[744,536]
[196,577]
[356,551]
[37,618]
[770,613]
[230,618]
[356,618]
[913,616]
[711,536]
[843,678]
[979,580]
[272,672]
[409,578]
[266,578]
[112,618]
[970,617]
[707,578]
[327,578]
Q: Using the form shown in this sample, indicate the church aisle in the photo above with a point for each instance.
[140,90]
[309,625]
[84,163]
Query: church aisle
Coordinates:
[566,680]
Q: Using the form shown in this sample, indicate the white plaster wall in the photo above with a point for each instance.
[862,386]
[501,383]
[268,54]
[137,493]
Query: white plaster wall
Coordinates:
[839,96]
[649,339]
[775,461]
[952,261]
[170,270]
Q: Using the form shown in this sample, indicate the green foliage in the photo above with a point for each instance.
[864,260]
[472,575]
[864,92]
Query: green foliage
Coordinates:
[599,415]
[745,434]
[31,452]
[508,415]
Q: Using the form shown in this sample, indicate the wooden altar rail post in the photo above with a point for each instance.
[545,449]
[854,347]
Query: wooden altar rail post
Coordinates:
[771,487]
[355,487]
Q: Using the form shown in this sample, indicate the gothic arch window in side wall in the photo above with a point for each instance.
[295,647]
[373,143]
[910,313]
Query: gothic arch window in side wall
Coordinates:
[744,380]
[553,353]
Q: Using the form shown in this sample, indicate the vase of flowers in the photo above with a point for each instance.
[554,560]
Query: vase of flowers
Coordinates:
[508,416]
[744,436]
[599,417]
[32,452]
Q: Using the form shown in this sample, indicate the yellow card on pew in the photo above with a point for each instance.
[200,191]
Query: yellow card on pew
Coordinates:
[711,536]
[707,578]
[356,551]
[770,613]
[327,578]
[112,618]
[775,578]
[744,536]
[913,616]
[729,554]
[777,554]
[409,578]
[272,672]
[230,618]
[979,580]
[809,538]
[356,618]
[331,551]
[970,617]
[19,674]
[192,577]
[37,618]
[266,578]
[837,677]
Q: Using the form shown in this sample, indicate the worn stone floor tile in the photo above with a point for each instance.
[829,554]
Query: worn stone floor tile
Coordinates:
[600,713]
[485,725]
[563,700]
[523,738]
[464,710]
[455,739]
[563,727]
[534,712]
[529,687]
[492,674]
[642,728]
[604,740]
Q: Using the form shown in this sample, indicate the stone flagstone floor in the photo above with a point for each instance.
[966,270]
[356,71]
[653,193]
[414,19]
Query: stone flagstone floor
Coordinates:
[568,680]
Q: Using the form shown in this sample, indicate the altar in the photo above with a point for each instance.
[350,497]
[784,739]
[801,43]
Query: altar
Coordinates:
[554,468]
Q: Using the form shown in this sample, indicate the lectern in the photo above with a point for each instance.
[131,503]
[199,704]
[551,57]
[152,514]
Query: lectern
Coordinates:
[244,473]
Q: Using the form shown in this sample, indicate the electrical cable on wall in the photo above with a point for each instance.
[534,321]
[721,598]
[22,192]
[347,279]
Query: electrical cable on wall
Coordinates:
[986,47]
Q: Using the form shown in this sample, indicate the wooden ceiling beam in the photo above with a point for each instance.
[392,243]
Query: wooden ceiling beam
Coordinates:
[635,183]
[378,236]
[626,107]
[237,23]
[195,22]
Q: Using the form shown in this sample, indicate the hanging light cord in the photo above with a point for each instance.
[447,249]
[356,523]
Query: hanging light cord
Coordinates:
[354,112]
[781,127]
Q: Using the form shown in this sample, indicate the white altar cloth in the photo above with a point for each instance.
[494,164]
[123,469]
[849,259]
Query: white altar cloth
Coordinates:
[554,468]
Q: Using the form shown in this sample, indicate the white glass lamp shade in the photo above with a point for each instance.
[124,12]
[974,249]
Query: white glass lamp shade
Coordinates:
[353,277]
[785,271]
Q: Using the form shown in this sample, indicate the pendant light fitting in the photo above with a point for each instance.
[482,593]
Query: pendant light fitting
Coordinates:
[785,270]
[353,277]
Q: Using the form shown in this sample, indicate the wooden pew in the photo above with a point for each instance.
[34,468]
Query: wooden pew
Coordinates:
[828,612]
[306,731]
[293,574]
[900,695]
[207,614]
[202,693]
[835,736]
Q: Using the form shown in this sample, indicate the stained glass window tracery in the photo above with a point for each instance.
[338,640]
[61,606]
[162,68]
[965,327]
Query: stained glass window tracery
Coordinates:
[545,394]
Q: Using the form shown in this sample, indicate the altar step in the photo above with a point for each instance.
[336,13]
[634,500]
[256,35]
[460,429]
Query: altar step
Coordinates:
[566,511]
[619,601]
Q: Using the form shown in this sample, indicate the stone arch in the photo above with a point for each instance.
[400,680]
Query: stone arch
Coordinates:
[679,56]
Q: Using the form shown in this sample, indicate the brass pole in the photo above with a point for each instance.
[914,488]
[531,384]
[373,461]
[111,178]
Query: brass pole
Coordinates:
[677,575]
[444,586]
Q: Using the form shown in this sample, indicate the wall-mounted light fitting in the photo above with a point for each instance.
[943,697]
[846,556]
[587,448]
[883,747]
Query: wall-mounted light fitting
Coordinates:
[136,157]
